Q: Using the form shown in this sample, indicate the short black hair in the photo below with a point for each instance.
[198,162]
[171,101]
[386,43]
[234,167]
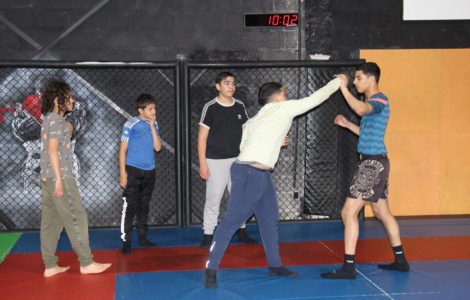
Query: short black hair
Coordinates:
[143,100]
[267,90]
[370,69]
[222,75]
[55,89]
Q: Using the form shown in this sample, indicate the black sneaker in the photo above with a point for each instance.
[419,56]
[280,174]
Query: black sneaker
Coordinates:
[210,279]
[146,243]
[126,248]
[206,241]
[281,271]
[243,237]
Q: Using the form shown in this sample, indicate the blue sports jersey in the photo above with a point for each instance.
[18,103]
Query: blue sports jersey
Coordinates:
[373,126]
[140,153]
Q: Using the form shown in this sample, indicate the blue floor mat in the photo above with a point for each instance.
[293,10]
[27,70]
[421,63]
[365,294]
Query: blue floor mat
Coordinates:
[427,280]
[101,239]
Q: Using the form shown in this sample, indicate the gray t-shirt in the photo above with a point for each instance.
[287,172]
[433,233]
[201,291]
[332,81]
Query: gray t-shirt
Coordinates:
[55,127]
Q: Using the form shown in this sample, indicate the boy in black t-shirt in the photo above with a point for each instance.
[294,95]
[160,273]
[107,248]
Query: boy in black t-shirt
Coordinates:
[220,132]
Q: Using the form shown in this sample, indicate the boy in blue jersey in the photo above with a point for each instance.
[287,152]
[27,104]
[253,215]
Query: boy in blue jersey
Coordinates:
[370,182]
[140,138]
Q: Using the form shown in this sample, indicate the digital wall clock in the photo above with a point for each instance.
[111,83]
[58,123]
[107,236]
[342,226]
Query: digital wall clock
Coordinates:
[272,20]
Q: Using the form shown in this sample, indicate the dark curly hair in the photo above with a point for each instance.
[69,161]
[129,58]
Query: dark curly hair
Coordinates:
[55,89]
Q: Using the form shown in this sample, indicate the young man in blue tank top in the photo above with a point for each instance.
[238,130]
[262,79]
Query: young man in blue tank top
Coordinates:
[370,182]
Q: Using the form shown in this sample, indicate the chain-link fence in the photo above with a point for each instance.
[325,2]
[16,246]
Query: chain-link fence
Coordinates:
[330,152]
[105,98]
[313,171]
[311,175]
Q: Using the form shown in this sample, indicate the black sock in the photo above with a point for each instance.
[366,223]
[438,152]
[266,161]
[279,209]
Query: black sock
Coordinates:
[126,247]
[210,279]
[349,262]
[348,271]
[400,263]
[399,253]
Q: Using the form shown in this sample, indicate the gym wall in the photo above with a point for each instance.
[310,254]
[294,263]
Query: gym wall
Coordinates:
[428,136]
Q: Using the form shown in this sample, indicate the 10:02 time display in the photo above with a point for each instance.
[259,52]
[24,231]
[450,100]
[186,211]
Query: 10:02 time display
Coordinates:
[272,20]
[283,20]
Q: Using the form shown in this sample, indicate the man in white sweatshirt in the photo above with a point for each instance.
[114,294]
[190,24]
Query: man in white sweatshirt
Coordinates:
[253,190]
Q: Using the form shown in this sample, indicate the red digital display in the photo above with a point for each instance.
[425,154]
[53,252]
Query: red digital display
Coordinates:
[272,20]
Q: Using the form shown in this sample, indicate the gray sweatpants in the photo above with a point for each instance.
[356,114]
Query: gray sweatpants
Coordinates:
[219,180]
[59,213]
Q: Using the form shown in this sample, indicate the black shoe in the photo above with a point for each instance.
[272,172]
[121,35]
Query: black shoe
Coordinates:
[146,243]
[126,248]
[281,271]
[397,266]
[243,237]
[206,241]
[210,279]
[339,274]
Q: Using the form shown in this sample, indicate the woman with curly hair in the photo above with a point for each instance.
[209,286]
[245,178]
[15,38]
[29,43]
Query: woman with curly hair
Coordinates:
[61,206]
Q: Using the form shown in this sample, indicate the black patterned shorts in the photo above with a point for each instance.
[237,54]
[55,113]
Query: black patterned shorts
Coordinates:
[370,181]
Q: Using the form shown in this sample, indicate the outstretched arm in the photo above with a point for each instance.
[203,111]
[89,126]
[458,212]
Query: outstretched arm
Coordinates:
[301,106]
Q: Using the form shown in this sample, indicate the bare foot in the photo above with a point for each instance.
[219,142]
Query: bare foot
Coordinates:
[94,268]
[55,270]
